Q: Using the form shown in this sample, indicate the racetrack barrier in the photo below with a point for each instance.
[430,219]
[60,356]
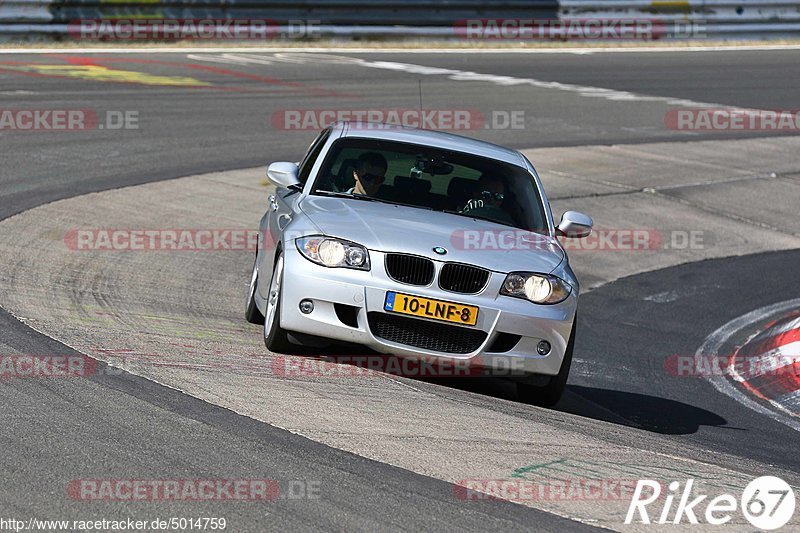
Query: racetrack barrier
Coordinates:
[359,19]
[25,11]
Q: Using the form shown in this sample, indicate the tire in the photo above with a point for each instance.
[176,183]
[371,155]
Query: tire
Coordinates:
[549,395]
[275,338]
[252,314]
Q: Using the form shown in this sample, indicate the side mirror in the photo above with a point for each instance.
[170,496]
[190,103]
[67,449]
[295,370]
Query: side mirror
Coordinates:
[574,224]
[283,174]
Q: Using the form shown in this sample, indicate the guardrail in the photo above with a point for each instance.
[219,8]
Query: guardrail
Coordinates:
[327,12]
[409,18]
[22,11]
[716,18]
[749,11]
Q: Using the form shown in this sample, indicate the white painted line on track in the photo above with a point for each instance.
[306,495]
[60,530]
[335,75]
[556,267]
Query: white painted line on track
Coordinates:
[712,345]
[454,75]
[509,81]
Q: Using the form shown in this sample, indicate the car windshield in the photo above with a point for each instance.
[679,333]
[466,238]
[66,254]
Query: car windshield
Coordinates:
[431,178]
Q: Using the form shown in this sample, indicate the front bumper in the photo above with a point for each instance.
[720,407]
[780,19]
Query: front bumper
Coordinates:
[501,317]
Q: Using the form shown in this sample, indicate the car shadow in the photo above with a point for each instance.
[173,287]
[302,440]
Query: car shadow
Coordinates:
[641,411]
[651,413]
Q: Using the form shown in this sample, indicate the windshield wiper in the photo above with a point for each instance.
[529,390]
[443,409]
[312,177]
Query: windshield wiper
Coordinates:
[478,217]
[335,194]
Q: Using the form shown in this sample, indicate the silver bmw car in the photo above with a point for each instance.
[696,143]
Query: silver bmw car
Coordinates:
[417,243]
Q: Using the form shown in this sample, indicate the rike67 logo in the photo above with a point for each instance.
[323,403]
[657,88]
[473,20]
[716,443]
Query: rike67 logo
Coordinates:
[767,502]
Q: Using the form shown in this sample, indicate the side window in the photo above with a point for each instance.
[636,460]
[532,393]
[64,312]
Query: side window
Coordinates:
[312,155]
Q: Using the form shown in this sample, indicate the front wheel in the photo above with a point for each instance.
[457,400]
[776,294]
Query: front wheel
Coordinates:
[275,338]
[549,395]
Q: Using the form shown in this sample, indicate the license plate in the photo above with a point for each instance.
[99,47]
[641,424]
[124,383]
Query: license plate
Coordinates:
[428,308]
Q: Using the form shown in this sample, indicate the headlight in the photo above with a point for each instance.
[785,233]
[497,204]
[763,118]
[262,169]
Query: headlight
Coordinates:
[331,252]
[538,288]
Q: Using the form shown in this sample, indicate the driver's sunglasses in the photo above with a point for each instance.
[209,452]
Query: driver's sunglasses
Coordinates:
[371,177]
[489,195]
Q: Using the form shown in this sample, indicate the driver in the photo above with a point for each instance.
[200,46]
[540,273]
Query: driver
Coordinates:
[491,192]
[487,202]
[370,173]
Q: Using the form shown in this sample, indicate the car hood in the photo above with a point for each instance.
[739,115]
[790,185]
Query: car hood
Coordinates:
[395,228]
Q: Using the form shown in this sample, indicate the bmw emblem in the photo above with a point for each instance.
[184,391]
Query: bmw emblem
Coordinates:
[439,250]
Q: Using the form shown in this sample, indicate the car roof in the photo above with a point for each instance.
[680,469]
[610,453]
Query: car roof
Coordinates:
[434,139]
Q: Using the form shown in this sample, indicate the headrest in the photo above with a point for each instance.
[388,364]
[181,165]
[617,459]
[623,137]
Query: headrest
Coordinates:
[461,187]
[415,185]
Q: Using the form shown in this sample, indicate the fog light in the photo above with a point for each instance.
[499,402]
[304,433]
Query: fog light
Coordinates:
[306,306]
[543,347]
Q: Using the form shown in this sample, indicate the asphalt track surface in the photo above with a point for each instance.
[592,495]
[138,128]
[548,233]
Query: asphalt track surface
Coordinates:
[68,430]
[184,131]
